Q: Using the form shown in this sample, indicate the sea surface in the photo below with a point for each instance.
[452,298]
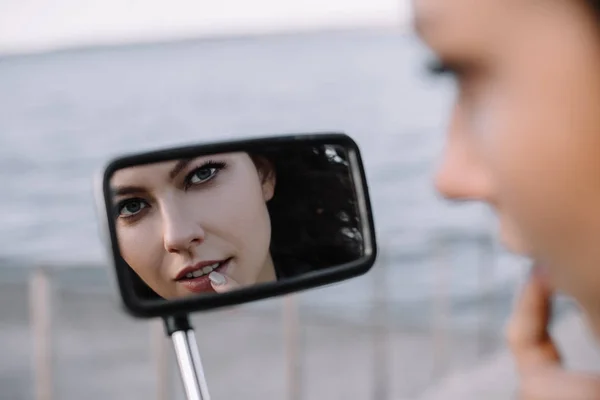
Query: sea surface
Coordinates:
[64,114]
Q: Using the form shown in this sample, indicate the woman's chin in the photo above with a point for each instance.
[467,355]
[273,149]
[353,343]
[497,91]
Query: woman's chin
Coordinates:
[514,247]
[512,241]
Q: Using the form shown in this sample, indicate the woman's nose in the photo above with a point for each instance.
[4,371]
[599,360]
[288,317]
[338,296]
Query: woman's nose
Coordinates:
[181,232]
[463,174]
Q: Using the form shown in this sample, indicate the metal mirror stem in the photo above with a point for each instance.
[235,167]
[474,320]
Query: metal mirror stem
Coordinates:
[188,357]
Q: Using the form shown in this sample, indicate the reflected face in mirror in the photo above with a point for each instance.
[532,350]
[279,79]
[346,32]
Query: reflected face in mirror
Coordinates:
[196,225]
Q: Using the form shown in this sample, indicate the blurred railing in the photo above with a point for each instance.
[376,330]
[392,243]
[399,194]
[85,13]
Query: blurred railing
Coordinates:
[384,346]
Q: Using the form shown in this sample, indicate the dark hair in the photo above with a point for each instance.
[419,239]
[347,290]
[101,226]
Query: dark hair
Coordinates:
[314,217]
[595,6]
[313,211]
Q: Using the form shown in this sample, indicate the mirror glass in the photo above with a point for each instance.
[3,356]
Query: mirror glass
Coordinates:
[220,222]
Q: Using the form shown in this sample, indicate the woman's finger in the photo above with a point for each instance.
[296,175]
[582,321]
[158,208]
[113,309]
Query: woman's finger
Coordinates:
[222,283]
[538,360]
[527,331]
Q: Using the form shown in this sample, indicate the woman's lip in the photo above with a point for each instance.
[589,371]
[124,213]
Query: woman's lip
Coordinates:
[202,283]
[196,267]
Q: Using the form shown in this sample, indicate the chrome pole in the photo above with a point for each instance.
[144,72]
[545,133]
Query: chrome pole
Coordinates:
[188,357]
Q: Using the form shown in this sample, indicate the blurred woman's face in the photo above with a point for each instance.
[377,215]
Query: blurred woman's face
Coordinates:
[524,135]
[178,221]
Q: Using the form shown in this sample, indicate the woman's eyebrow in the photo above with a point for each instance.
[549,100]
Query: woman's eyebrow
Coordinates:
[125,190]
[181,164]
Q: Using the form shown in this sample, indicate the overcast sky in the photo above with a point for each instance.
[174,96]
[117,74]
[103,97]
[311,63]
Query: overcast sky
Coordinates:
[34,25]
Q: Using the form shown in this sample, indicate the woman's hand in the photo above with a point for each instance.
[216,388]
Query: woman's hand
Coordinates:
[222,283]
[541,374]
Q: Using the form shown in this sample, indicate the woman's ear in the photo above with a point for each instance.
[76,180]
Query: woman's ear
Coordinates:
[266,174]
[268,182]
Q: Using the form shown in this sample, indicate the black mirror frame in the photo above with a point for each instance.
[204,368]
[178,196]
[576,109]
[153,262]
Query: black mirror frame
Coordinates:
[161,308]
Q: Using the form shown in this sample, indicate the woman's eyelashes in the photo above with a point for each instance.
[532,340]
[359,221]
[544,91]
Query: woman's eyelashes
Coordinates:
[204,173]
[458,70]
[437,68]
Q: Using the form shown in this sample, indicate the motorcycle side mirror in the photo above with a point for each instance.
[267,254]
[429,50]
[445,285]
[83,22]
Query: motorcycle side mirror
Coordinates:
[206,226]
[218,224]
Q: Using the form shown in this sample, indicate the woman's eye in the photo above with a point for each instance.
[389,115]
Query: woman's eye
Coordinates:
[202,175]
[130,208]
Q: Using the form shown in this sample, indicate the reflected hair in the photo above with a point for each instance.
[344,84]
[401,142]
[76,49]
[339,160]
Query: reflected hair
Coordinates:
[314,213]
[594,6]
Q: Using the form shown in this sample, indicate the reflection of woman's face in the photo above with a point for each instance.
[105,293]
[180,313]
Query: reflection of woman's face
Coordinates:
[177,221]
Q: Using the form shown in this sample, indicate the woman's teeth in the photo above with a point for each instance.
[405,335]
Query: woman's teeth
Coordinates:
[202,271]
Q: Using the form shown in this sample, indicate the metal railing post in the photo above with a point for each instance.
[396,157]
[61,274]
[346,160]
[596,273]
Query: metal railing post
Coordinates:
[292,337]
[40,309]
[161,354]
[380,327]
[441,307]
[486,273]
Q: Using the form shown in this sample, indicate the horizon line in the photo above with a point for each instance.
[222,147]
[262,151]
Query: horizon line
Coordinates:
[199,36]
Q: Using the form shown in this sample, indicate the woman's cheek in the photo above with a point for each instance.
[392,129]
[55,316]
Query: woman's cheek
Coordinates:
[497,126]
[131,250]
[497,122]
[142,247]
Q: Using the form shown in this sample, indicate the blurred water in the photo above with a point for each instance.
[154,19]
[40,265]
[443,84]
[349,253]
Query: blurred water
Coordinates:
[63,114]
